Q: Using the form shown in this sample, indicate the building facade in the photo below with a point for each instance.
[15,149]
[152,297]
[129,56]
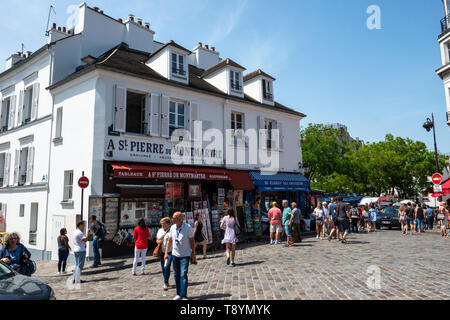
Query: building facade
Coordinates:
[444,42]
[155,127]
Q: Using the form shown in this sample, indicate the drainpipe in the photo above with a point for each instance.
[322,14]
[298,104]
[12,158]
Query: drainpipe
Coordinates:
[50,81]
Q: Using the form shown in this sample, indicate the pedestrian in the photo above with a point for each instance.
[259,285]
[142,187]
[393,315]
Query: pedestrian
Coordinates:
[419,215]
[443,216]
[326,224]
[430,217]
[410,218]
[63,250]
[98,230]
[343,218]
[287,221]
[296,227]
[319,218]
[366,217]
[222,231]
[79,250]
[402,219]
[14,253]
[354,217]
[181,240]
[275,216]
[230,239]
[198,233]
[373,217]
[161,239]
[141,234]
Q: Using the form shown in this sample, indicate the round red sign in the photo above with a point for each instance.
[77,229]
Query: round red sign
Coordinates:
[437,178]
[83,182]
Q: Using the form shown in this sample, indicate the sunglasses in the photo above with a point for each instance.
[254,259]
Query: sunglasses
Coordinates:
[12,238]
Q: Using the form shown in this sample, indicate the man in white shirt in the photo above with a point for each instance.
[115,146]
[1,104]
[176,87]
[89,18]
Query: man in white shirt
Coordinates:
[79,250]
[181,239]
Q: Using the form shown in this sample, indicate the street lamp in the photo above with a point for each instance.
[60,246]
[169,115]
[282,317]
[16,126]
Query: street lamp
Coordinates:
[428,125]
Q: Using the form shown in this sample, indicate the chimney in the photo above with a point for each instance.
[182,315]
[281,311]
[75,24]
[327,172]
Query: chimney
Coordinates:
[64,29]
[147,25]
[29,53]
[120,20]
[131,17]
[200,44]
[13,59]
[19,53]
[96,9]
[206,46]
[59,28]
[101,11]
[140,21]
[213,48]
[54,26]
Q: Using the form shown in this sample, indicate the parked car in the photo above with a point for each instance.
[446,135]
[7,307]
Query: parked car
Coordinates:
[388,218]
[14,286]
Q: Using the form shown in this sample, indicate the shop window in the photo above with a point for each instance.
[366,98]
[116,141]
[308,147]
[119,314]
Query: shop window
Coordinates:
[135,117]
[22,211]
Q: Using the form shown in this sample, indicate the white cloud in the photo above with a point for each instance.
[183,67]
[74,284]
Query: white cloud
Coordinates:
[227,23]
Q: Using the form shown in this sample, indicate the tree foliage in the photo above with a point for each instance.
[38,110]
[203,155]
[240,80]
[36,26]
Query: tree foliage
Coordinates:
[338,164]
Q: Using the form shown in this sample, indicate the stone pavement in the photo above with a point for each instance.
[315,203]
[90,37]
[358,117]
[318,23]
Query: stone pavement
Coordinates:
[409,267]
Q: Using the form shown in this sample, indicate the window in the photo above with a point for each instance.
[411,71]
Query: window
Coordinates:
[2,168]
[270,125]
[59,115]
[23,165]
[178,65]
[267,90]
[235,80]
[237,124]
[176,116]
[33,223]
[6,106]
[26,116]
[135,118]
[22,211]
[68,185]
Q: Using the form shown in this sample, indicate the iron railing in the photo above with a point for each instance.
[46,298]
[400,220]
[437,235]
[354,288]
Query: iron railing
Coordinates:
[445,23]
[268,96]
[236,86]
[448,117]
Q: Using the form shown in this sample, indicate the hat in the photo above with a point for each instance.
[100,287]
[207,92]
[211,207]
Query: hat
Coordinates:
[324,202]
[274,203]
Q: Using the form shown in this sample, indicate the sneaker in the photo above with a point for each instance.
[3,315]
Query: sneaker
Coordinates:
[228,261]
[317,237]
[177,297]
[233,264]
[184,298]
[93,266]
[64,272]
[272,242]
[292,243]
[134,274]
[143,274]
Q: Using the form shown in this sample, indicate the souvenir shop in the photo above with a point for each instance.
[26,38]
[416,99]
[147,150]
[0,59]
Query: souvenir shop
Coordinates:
[150,192]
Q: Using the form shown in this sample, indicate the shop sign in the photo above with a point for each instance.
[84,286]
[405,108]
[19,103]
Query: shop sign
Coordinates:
[275,183]
[149,174]
[158,150]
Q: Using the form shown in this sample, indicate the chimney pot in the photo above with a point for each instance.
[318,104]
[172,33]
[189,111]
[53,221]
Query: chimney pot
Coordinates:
[120,20]
[29,53]
[140,21]
[69,32]
[96,9]
[19,53]
[213,48]
[147,25]
[206,46]
[101,11]
[131,16]
[59,28]
[200,44]
[54,26]
[64,29]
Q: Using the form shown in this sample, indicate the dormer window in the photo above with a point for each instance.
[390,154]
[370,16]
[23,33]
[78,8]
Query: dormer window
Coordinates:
[267,90]
[235,81]
[178,65]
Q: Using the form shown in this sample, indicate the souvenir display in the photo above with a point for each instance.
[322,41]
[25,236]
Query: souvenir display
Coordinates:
[248,218]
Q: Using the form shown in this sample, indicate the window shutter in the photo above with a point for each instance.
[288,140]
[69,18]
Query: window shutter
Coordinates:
[30,165]
[147,114]
[20,107]
[120,109]
[280,134]
[193,116]
[16,167]
[6,170]
[35,101]
[227,126]
[165,116]
[262,134]
[3,113]
[12,112]
[275,136]
[155,114]
[264,88]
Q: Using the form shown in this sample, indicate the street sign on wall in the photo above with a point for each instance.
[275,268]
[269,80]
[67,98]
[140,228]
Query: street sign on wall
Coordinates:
[437,188]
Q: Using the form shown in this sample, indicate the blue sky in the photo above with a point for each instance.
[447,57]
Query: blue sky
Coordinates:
[328,64]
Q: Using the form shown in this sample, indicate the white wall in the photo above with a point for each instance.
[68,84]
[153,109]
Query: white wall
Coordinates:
[253,89]
[219,80]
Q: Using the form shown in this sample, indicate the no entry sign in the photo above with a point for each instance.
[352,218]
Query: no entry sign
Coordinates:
[83,182]
[437,178]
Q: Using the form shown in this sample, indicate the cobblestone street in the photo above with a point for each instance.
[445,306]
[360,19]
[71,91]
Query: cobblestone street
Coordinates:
[412,267]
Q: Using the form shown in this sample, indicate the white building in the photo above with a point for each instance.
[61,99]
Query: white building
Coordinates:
[444,42]
[104,98]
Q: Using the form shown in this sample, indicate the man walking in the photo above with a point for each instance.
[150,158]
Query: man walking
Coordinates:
[98,229]
[288,218]
[181,240]
[275,223]
[410,218]
[430,217]
[79,250]
[343,218]
[296,227]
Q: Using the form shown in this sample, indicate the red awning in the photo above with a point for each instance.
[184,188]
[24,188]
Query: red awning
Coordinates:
[240,180]
[150,171]
[445,190]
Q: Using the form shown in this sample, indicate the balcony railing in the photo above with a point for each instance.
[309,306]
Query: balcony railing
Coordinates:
[180,71]
[445,23]
[448,118]
[268,96]
[236,86]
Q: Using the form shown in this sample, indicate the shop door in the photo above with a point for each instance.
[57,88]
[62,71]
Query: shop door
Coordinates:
[58,222]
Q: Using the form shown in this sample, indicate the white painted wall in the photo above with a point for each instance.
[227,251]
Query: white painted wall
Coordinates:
[160,63]
[204,58]
[219,79]
[253,89]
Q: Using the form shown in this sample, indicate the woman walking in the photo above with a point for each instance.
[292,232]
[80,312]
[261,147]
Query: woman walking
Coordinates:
[354,216]
[140,236]
[14,253]
[161,240]
[366,215]
[198,233]
[318,214]
[229,221]
[443,216]
[63,250]
[402,219]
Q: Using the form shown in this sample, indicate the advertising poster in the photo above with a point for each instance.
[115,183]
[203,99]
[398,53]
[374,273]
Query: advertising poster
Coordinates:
[111,216]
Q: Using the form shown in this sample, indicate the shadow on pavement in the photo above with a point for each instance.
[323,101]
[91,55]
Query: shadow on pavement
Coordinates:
[211,296]
[99,280]
[191,284]
[250,263]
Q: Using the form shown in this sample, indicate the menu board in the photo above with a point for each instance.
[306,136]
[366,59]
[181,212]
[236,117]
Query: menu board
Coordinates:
[111,216]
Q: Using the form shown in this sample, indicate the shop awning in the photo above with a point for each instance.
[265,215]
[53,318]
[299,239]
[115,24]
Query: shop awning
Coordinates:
[150,171]
[445,190]
[279,181]
[240,180]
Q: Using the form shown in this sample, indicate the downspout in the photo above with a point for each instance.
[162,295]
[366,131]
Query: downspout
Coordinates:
[50,81]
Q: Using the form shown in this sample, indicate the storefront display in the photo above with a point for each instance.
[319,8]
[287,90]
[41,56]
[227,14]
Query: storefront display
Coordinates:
[96,207]
[111,216]
[195,190]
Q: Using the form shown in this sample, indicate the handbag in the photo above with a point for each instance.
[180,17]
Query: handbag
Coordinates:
[157,253]
[237,230]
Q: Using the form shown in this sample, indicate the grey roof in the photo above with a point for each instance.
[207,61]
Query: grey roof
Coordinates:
[257,73]
[220,65]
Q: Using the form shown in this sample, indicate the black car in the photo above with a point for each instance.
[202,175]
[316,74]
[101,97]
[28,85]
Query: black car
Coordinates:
[388,218]
[14,286]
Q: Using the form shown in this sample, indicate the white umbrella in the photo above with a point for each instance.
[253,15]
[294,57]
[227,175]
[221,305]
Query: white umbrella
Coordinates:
[406,201]
[365,200]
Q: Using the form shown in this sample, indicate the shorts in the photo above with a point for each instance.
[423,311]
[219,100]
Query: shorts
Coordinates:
[288,230]
[276,228]
[319,222]
[343,225]
[409,221]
